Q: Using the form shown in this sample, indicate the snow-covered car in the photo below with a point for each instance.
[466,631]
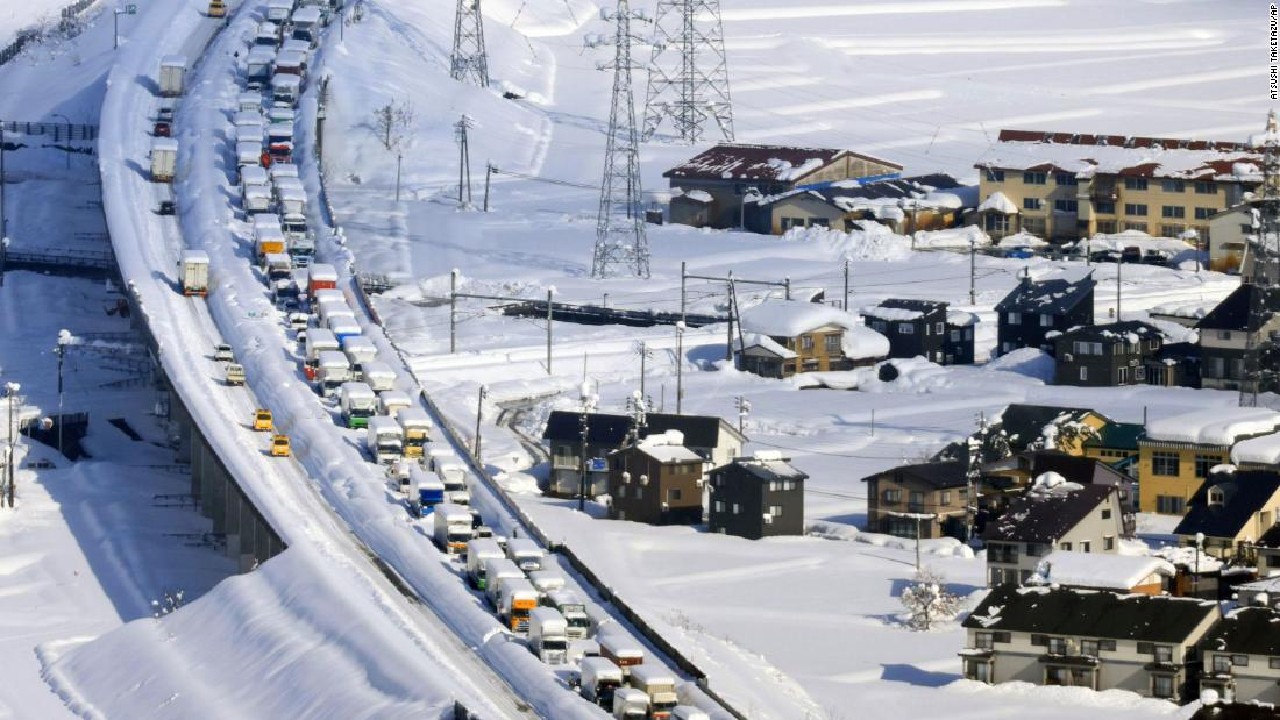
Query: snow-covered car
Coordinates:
[222,353]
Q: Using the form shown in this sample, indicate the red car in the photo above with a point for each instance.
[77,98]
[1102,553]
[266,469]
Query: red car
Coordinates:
[164,122]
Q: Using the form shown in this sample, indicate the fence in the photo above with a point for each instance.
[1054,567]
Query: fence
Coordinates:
[67,25]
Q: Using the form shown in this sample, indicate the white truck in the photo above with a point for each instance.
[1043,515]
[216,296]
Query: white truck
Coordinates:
[525,553]
[391,401]
[318,340]
[599,679]
[164,159]
[574,611]
[379,375]
[292,198]
[277,267]
[195,273]
[385,440]
[332,369]
[452,528]
[479,551]
[623,651]
[516,599]
[255,199]
[172,70]
[306,24]
[660,687]
[496,572]
[359,350]
[688,712]
[546,582]
[358,402]
[250,102]
[454,477]
[345,327]
[630,704]
[258,66]
[548,635]
[330,304]
[278,11]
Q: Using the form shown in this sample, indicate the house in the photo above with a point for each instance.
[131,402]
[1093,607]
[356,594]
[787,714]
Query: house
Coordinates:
[1174,365]
[1241,655]
[957,344]
[1230,511]
[1245,319]
[716,181]
[1034,309]
[1234,711]
[1024,466]
[657,481]
[753,497]
[1177,451]
[783,337]
[923,328]
[1052,514]
[1105,355]
[1114,442]
[1066,186]
[714,439]
[897,497]
[1267,548]
[903,205]
[1086,638]
[1049,426]
[1230,231]
[1142,574]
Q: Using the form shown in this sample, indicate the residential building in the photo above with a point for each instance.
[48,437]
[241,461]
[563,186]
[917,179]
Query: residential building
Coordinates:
[716,181]
[1241,656]
[1052,514]
[896,497]
[1235,711]
[915,328]
[657,481]
[1232,509]
[712,438]
[1034,309]
[753,497]
[1177,452]
[1105,355]
[1065,186]
[783,337]
[1021,468]
[1142,574]
[1231,230]
[1174,365]
[1084,638]
[904,205]
[1246,319]
[1267,548]
[1048,426]
[958,343]
[1114,442]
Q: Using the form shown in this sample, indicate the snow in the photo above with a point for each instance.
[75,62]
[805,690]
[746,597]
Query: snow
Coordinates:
[761,340]
[1088,159]
[1260,450]
[668,447]
[701,196]
[791,318]
[1099,570]
[998,202]
[891,313]
[1222,426]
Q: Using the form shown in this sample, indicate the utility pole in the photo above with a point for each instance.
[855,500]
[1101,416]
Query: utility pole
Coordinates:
[1119,273]
[679,367]
[642,349]
[589,400]
[743,406]
[488,173]
[728,302]
[60,350]
[399,159]
[453,311]
[620,231]
[468,62]
[464,162]
[550,319]
[1265,275]
[484,392]
[683,276]
[638,409]
[688,72]
[846,285]
[973,270]
[973,474]
[11,390]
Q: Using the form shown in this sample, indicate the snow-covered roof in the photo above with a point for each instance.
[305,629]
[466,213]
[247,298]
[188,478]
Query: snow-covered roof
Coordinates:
[1098,570]
[1086,155]
[1188,557]
[1262,450]
[1216,426]
[861,342]
[960,318]
[789,318]
[998,202]
[764,341]
[1022,238]
[668,447]
[891,313]
[742,161]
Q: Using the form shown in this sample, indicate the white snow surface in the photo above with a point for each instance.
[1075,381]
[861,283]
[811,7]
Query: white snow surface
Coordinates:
[1098,570]
[1222,426]
[1264,449]
[998,202]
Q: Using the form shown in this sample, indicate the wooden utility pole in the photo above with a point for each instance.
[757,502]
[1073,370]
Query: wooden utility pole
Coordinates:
[484,391]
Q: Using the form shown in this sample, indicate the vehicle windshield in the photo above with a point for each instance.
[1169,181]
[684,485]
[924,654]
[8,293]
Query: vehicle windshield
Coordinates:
[578,622]
[459,537]
[555,645]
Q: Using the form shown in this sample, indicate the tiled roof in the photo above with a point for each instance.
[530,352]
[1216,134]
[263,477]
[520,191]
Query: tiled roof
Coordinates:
[1090,614]
[1250,630]
[1246,492]
[938,475]
[1085,155]
[1043,516]
[776,163]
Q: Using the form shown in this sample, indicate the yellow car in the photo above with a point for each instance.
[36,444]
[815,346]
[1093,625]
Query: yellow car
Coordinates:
[280,446]
[217,8]
[262,420]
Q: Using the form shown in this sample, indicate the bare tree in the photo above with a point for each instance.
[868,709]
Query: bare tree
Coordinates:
[393,124]
[927,601]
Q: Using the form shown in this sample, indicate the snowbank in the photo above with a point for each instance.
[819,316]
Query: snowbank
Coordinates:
[1099,570]
[1025,361]
[1213,426]
[1264,450]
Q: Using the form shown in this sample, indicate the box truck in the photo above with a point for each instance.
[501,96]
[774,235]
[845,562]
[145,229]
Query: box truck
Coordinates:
[277,267]
[358,402]
[164,159]
[332,369]
[172,70]
[379,375]
[496,572]
[318,340]
[391,401]
[630,704]
[688,712]
[267,238]
[417,430]
[452,528]
[347,328]
[623,651]
[574,611]
[546,582]
[516,599]
[599,679]
[321,276]
[385,440]
[479,551]
[258,65]
[195,273]
[660,687]
[428,491]
[278,11]
[454,477]
[548,635]
[525,553]
[360,350]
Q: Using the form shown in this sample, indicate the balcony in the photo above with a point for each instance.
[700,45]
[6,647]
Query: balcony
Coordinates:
[1072,660]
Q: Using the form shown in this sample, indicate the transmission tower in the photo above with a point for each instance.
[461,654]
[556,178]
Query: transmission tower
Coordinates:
[620,236]
[688,74]
[469,61]
[1266,267]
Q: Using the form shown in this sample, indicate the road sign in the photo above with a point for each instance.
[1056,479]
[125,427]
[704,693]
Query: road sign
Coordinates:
[130,9]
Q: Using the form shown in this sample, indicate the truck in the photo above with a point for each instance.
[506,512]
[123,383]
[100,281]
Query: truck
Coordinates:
[248,154]
[417,430]
[379,375]
[688,712]
[164,159]
[630,704]
[291,62]
[574,611]
[249,102]
[525,553]
[332,369]
[328,305]
[172,70]
[479,551]
[623,651]
[277,267]
[452,525]
[267,34]
[286,87]
[599,679]
[358,402]
[546,582]
[234,374]
[278,11]
[343,328]
[359,350]
[306,24]
[258,65]
[660,687]
[454,477]
[320,276]
[302,243]
[216,9]
[385,440]
[195,273]
[516,599]
[428,492]
[548,638]
[390,402]
[291,197]
[280,141]
[496,572]
[255,199]
[267,238]
[318,340]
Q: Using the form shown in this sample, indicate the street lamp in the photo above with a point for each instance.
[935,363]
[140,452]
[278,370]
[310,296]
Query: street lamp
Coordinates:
[66,151]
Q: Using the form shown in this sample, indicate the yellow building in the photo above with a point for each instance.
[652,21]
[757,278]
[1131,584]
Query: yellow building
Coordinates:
[1066,186]
[1178,451]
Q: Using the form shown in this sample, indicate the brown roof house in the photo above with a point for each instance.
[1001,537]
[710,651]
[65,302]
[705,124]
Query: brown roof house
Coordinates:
[931,499]
[657,481]
[715,182]
[783,337]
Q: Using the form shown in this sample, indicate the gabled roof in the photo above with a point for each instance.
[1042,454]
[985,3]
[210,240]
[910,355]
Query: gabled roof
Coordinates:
[1237,310]
[768,469]
[850,195]
[1025,424]
[905,309]
[1249,630]
[702,431]
[1076,468]
[768,163]
[1138,156]
[937,475]
[1090,613]
[1043,516]
[1057,296]
[1126,330]
[1099,571]
[1118,435]
[1246,492]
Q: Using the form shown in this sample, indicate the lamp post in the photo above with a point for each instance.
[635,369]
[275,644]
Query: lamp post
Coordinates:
[126,10]
[66,151]
[679,365]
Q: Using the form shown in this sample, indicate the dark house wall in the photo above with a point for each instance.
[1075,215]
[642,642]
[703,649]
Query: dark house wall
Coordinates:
[957,349]
[1031,333]
[922,340]
[733,484]
[643,503]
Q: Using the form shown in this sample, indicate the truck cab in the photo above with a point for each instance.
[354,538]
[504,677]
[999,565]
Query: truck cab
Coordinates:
[623,651]
[574,611]
[234,374]
[262,420]
[222,353]
[548,638]
[280,446]
[525,553]
[516,599]
[385,440]
[479,551]
[454,477]
[164,122]
[358,403]
[630,704]
[428,491]
[496,572]
[660,687]
[452,528]
[599,680]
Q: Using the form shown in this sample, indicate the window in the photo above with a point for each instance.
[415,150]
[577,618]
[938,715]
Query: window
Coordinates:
[1065,179]
[737,509]
[1162,686]
[1170,505]
[1240,660]
[1274,663]
[791,222]
[906,329]
[673,494]
[946,497]
[1089,648]
[1067,206]
[1046,320]
[1108,227]
[831,344]
[1164,463]
[917,498]
[892,497]
[1084,372]
[1057,646]
[1135,183]
[1031,203]
[1057,676]
[1105,207]
[1014,318]
[1206,187]
[1106,513]
[1084,546]
[1122,376]
[1204,463]
[1064,546]
[1224,334]
[806,342]
[955,336]
[1139,226]
[983,640]
[1135,209]
[718,506]
[1176,212]
[977,670]
[940,328]
[996,223]
[1109,542]
[1222,663]
[1040,640]
[1203,213]
[878,326]
[1034,178]
[1173,186]
[1107,645]
[994,175]
[1146,648]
